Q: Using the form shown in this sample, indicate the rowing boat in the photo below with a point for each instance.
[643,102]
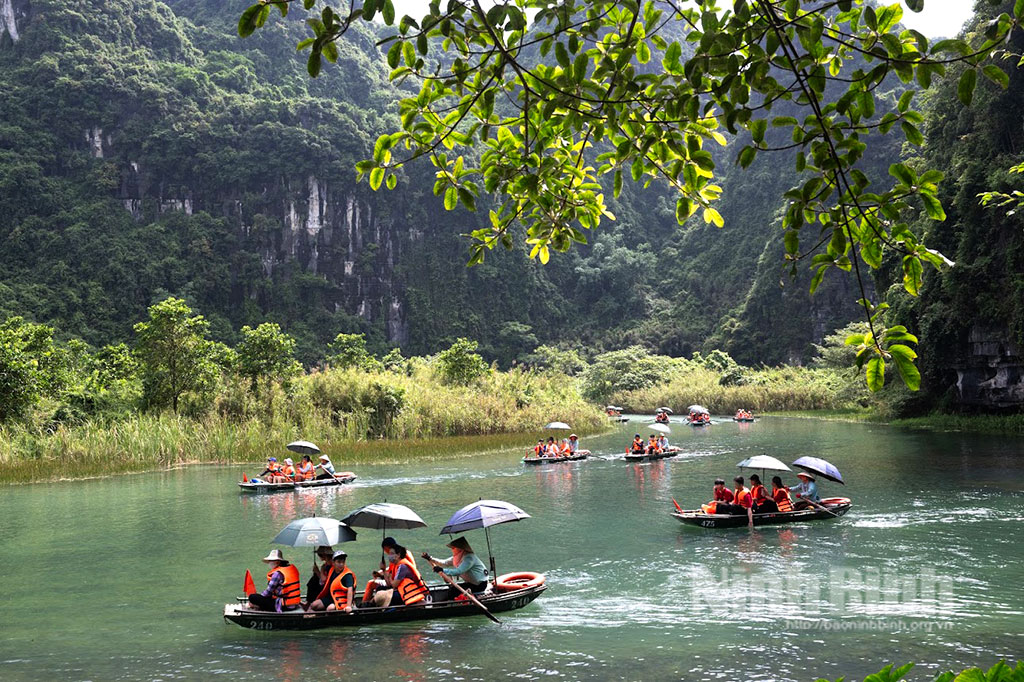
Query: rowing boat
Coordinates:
[743,419]
[498,602]
[256,485]
[671,451]
[580,454]
[835,506]
[699,423]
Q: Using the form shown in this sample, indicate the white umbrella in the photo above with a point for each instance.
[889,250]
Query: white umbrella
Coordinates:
[665,409]
[661,428]
[562,426]
[763,462]
[303,447]
[314,531]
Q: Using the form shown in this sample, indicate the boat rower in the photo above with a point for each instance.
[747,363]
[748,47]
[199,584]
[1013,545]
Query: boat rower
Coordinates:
[805,492]
[663,442]
[327,468]
[464,565]
[574,443]
[284,591]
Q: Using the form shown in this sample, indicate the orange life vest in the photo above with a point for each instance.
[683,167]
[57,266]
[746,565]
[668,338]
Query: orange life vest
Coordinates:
[781,497]
[710,507]
[305,473]
[339,593]
[537,449]
[273,467]
[759,493]
[291,590]
[411,590]
[743,496]
[287,470]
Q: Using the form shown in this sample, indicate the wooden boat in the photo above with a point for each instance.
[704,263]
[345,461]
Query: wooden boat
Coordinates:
[671,451]
[497,602]
[699,423]
[580,455]
[258,486]
[838,506]
[743,419]
[618,419]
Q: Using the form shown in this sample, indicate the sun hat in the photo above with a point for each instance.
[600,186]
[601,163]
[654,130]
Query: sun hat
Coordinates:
[804,474]
[460,543]
[573,435]
[275,555]
[288,460]
[325,457]
[340,554]
[324,550]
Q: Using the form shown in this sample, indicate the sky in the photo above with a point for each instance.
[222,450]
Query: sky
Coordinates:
[940,18]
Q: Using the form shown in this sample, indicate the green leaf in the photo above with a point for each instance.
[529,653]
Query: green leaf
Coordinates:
[747,156]
[684,209]
[617,184]
[376,178]
[996,75]
[903,174]
[912,274]
[965,87]
[875,373]
[388,12]
[314,63]
[904,102]
[933,207]
[247,22]
[914,135]
[713,216]
[903,356]
[392,181]
[451,198]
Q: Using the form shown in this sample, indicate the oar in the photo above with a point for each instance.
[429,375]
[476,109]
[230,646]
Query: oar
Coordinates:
[469,596]
[821,507]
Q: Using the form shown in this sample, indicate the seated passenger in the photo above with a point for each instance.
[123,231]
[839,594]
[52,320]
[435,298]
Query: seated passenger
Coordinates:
[284,591]
[721,501]
[780,494]
[402,578]
[464,565]
[304,472]
[551,448]
[343,585]
[286,474]
[272,468]
[538,449]
[652,446]
[318,584]
[762,503]
[637,447]
[565,449]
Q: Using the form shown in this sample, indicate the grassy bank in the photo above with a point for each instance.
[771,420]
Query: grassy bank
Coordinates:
[776,389]
[357,417]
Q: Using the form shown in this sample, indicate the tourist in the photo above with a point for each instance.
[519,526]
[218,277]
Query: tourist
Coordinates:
[343,585]
[721,493]
[272,468]
[463,564]
[652,446]
[402,578]
[284,591]
[762,503]
[304,471]
[744,501]
[780,494]
[318,585]
[637,447]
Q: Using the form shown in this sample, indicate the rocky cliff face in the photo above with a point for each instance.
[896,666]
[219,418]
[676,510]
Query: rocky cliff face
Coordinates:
[993,372]
[13,15]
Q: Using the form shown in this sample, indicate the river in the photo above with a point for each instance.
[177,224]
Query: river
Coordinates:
[126,577]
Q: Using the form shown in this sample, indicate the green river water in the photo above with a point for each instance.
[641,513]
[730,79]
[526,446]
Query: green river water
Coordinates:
[126,577]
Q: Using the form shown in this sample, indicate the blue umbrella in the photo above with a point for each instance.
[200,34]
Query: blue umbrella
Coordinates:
[817,465]
[483,514]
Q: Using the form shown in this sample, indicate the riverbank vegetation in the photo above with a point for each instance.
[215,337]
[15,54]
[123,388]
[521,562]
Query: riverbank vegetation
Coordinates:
[67,410]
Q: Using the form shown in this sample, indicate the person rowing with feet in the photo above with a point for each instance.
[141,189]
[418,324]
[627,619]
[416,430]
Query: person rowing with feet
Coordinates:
[463,565]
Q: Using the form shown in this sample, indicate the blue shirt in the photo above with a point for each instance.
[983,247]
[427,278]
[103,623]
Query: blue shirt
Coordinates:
[471,564]
[806,489]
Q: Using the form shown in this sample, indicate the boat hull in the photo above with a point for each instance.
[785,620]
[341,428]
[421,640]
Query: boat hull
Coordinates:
[838,506]
[499,602]
[263,487]
[671,452]
[556,460]
[736,419]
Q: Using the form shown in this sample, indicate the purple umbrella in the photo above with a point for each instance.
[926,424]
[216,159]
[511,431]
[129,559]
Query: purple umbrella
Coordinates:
[822,468]
[483,514]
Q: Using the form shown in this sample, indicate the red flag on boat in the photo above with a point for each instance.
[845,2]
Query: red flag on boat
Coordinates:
[249,586]
[678,508]
[245,479]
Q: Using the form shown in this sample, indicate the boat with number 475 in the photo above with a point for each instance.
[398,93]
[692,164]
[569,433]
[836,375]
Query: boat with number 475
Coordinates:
[830,508]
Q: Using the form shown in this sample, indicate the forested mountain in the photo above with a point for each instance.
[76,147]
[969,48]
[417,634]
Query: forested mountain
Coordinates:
[146,150]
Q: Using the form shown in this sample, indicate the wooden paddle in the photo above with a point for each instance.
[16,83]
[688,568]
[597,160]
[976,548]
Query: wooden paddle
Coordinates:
[821,507]
[469,596]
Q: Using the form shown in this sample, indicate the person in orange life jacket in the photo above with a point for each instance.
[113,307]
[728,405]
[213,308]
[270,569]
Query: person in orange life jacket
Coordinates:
[564,450]
[401,577]
[304,472]
[285,474]
[272,468]
[762,503]
[780,494]
[464,565]
[343,585]
[318,584]
[743,502]
[652,446]
[538,449]
[284,591]
[637,447]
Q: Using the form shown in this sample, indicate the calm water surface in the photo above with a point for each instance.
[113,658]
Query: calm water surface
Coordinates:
[125,578]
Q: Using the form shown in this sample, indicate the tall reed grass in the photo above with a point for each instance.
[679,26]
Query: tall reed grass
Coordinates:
[340,410]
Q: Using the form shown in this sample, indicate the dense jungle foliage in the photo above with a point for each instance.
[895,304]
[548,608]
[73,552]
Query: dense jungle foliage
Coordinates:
[155,103]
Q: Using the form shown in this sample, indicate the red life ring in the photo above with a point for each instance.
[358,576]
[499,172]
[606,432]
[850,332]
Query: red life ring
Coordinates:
[518,581]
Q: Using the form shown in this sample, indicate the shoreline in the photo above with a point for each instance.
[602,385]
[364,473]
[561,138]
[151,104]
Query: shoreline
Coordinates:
[981,424]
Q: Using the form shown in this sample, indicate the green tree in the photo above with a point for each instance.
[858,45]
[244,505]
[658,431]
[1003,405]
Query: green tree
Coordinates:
[349,350]
[266,354]
[555,359]
[556,95]
[174,353]
[459,364]
[625,370]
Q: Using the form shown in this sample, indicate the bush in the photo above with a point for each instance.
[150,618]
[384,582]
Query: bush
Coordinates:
[459,365]
[629,369]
